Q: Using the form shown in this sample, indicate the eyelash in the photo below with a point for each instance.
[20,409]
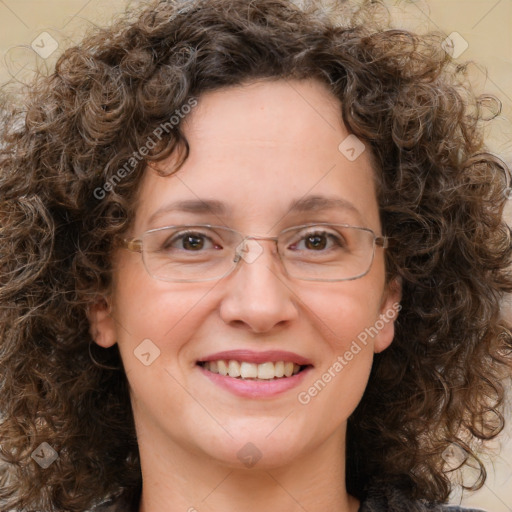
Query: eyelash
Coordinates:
[336,238]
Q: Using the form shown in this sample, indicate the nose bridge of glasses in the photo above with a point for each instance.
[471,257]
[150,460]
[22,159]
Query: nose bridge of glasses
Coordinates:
[250,250]
[257,237]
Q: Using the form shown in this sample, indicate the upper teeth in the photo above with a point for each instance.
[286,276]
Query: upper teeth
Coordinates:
[247,370]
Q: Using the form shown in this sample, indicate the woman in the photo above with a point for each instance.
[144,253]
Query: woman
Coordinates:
[251,260]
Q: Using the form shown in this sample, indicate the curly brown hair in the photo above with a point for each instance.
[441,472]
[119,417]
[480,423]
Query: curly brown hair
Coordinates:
[441,198]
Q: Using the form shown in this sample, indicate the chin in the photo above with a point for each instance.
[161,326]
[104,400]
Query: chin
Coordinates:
[254,452]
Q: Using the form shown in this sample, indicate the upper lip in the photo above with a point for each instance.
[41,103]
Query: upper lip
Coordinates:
[257,357]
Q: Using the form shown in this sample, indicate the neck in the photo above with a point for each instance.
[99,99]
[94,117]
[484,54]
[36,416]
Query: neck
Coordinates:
[176,479]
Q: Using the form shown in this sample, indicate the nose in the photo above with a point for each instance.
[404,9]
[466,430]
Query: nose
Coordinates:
[257,295]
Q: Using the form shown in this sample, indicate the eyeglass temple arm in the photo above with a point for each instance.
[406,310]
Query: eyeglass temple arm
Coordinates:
[132,244]
[382,241]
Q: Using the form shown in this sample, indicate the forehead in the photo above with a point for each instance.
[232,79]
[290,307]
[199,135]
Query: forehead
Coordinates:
[261,147]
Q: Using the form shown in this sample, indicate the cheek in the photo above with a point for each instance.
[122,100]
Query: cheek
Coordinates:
[147,309]
[154,326]
[343,320]
[344,311]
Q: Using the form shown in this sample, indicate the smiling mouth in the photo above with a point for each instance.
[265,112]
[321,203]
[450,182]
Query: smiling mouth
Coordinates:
[251,371]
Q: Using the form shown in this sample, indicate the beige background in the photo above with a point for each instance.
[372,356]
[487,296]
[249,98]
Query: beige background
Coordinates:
[486,26]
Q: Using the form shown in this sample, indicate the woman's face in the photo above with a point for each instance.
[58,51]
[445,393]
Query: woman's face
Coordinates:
[256,150]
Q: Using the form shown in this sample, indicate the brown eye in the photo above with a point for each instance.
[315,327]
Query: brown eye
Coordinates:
[193,242]
[189,241]
[316,242]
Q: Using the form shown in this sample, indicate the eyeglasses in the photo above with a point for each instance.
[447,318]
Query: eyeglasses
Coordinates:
[310,252]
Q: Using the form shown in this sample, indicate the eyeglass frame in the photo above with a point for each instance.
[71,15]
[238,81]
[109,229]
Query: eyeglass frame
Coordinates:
[136,244]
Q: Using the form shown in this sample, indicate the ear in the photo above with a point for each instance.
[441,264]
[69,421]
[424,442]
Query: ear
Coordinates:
[389,310]
[102,325]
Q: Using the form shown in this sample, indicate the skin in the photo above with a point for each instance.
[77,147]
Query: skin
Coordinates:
[255,147]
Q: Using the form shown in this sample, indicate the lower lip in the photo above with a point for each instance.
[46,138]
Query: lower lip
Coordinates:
[256,388]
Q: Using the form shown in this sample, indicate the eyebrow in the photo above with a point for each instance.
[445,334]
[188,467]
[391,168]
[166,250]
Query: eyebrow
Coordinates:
[307,204]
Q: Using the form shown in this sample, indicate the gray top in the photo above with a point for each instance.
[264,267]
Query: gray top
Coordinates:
[377,500]
[391,499]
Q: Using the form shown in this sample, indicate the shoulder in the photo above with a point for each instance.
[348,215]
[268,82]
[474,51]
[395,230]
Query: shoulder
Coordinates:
[393,500]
